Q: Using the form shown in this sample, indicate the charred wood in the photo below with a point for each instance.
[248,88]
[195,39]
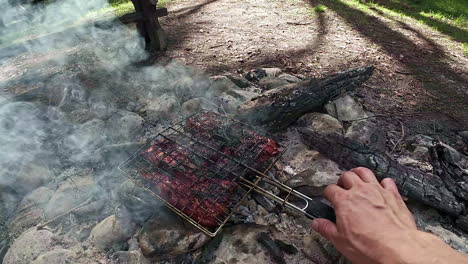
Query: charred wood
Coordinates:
[279,107]
[447,165]
[425,188]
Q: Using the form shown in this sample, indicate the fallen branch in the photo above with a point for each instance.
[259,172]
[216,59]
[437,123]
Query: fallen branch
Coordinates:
[425,188]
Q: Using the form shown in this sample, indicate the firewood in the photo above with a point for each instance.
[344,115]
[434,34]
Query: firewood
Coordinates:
[428,189]
[279,107]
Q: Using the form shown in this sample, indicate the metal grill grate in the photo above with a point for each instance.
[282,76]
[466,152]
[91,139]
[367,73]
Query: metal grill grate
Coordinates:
[197,167]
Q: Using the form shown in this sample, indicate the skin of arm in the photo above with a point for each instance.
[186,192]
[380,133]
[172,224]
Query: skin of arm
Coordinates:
[373,224]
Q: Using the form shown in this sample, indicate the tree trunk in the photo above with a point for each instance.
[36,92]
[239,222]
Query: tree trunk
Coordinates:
[279,107]
[425,188]
[149,26]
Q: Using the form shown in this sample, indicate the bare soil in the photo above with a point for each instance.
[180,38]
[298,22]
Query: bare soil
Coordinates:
[420,84]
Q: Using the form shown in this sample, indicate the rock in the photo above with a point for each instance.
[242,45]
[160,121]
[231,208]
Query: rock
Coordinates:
[111,231]
[228,103]
[139,202]
[313,169]
[166,236]
[242,95]
[289,77]
[269,83]
[430,220]
[258,74]
[321,123]
[238,80]
[70,193]
[124,125]
[314,251]
[80,146]
[30,211]
[367,132]
[30,245]
[133,257]
[32,175]
[196,105]
[161,107]
[79,116]
[219,85]
[55,256]
[418,146]
[250,243]
[230,100]
[408,161]
[345,108]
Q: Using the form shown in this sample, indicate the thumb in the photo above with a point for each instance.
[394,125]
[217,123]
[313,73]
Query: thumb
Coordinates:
[325,227]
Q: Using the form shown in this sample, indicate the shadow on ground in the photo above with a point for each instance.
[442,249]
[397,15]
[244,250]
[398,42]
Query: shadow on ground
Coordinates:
[456,33]
[426,62]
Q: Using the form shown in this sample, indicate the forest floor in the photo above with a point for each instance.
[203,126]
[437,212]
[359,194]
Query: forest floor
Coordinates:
[421,74]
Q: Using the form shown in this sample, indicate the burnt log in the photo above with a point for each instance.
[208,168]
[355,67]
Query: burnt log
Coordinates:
[428,189]
[446,162]
[280,107]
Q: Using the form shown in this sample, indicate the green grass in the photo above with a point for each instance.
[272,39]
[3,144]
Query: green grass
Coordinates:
[446,16]
[319,9]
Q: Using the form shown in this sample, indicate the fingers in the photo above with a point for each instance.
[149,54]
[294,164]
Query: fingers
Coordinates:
[325,227]
[365,174]
[389,184]
[332,192]
[348,180]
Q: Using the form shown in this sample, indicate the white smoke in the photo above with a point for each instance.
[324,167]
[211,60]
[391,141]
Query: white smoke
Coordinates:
[77,93]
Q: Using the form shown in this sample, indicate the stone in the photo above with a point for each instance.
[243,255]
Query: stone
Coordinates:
[228,103]
[258,74]
[80,146]
[166,236]
[55,256]
[418,146]
[195,105]
[345,108]
[430,220]
[314,251]
[111,231]
[321,123]
[32,175]
[139,202]
[368,133]
[132,256]
[250,243]
[70,193]
[124,125]
[28,246]
[289,77]
[313,169]
[219,85]
[238,80]
[161,107]
[269,83]
[30,211]
[242,95]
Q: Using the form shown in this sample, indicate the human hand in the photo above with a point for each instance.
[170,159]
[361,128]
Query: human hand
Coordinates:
[373,224]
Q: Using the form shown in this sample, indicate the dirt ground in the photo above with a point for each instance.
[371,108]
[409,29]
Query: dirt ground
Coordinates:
[420,84]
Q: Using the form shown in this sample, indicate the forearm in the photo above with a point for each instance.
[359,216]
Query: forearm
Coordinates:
[426,248]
